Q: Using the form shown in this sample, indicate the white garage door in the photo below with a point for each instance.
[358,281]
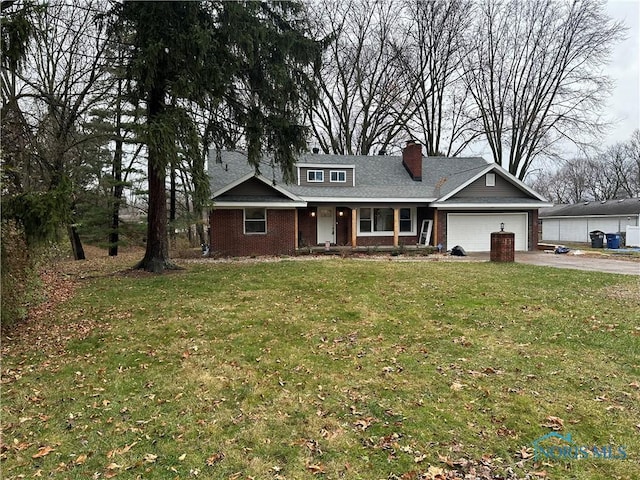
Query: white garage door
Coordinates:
[472,231]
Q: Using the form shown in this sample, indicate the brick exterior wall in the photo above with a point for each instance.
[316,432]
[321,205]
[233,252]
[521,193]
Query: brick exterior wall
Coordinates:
[533,230]
[343,227]
[307,231]
[386,241]
[227,235]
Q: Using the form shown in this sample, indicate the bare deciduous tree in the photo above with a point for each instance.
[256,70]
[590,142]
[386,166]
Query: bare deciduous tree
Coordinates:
[432,61]
[49,96]
[612,173]
[535,75]
[633,153]
[362,104]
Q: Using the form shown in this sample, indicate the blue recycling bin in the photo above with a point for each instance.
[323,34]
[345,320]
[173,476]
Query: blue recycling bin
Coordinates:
[613,240]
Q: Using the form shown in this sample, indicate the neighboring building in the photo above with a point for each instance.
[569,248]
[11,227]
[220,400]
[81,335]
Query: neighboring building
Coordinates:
[573,223]
[367,201]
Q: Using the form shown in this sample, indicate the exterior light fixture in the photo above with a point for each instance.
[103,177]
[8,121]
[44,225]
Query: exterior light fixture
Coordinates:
[502,226]
[340,213]
[313,213]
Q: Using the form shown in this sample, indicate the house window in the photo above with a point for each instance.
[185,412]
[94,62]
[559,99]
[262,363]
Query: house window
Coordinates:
[255,221]
[380,220]
[339,176]
[365,219]
[406,223]
[315,176]
[383,219]
[490,179]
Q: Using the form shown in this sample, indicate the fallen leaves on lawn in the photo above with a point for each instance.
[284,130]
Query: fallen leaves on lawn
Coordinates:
[486,468]
[363,423]
[19,446]
[526,453]
[112,470]
[419,458]
[120,451]
[315,468]
[43,452]
[41,330]
[215,458]
[457,386]
[462,341]
[554,423]
[150,458]
[311,444]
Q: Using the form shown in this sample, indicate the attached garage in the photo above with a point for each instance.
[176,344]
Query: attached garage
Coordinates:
[472,231]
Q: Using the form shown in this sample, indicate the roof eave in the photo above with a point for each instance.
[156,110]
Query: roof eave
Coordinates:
[367,200]
[257,204]
[484,206]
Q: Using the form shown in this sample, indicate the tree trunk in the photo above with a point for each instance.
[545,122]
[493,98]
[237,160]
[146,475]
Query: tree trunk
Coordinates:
[114,235]
[156,258]
[201,235]
[201,193]
[76,243]
[172,204]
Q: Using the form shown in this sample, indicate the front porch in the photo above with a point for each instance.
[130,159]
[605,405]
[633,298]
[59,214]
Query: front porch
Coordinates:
[363,227]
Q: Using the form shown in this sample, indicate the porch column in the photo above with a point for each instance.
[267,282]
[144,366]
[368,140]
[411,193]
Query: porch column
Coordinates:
[396,226]
[354,227]
[295,230]
[435,227]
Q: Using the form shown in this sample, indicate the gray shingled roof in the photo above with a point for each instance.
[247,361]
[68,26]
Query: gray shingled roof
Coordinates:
[629,206]
[376,176]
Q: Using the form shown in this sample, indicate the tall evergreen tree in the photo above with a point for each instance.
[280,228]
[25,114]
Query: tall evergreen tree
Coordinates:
[254,56]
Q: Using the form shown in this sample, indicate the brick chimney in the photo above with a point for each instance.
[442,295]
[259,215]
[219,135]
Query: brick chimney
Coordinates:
[412,160]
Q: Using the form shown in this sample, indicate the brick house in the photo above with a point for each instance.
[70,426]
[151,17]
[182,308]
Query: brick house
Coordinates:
[357,201]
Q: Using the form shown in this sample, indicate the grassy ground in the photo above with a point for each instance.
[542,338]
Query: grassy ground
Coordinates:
[340,368]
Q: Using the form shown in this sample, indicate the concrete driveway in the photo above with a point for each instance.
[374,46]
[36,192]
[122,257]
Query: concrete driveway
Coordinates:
[604,264]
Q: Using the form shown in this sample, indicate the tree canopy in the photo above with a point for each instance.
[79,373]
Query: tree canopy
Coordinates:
[254,57]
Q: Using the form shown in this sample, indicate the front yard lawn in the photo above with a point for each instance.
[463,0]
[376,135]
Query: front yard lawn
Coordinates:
[339,368]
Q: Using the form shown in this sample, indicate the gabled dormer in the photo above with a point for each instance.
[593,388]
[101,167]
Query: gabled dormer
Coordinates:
[326,175]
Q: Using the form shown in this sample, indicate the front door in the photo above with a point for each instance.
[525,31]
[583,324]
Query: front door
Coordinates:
[326,225]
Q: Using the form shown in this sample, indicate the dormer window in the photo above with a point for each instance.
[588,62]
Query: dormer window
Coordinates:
[338,176]
[490,180]
[315,176]
[326,175]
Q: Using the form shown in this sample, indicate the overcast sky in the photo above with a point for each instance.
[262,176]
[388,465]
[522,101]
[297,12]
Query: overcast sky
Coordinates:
[624,105]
